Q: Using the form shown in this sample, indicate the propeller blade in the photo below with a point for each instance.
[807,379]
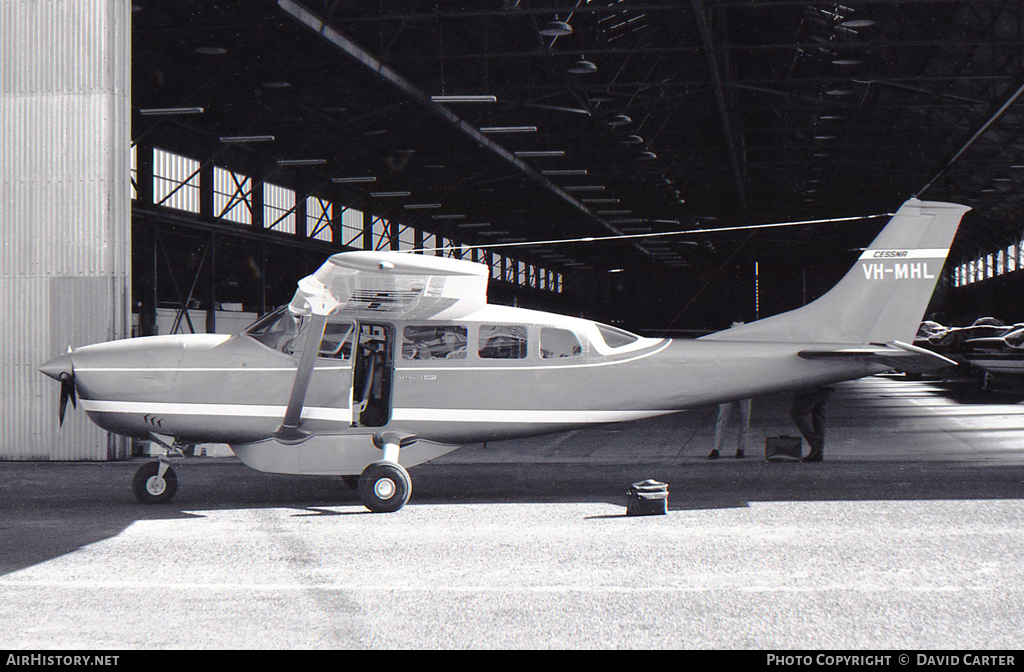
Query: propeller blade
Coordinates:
[67,391]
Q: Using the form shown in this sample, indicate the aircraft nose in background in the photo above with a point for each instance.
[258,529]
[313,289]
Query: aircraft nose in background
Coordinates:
[57,366]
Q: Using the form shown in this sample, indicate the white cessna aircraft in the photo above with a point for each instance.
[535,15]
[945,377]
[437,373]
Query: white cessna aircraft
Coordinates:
[384,360]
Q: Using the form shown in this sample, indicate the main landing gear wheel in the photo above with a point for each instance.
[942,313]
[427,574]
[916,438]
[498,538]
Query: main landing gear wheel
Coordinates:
[384,487]
[150,487]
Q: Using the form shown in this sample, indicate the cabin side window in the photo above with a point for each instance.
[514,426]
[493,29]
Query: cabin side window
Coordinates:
[434,342]
[559,343]
[502,341]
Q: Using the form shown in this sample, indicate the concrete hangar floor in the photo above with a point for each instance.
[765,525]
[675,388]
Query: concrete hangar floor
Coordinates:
[908,535]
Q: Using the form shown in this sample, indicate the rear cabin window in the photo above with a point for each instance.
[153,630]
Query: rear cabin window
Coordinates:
[434,342]
[502,341]
[616,338]
[559,343]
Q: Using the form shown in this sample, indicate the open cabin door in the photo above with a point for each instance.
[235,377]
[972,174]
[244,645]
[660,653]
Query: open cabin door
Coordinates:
[372,374]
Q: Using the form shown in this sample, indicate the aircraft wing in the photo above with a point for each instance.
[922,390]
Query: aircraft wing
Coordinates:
[896,354]
[393,284]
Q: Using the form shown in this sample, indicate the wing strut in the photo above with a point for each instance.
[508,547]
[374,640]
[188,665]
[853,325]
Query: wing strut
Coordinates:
[321,303]
[289,431]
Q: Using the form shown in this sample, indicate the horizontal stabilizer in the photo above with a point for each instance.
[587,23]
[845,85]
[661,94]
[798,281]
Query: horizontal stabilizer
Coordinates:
[896,355]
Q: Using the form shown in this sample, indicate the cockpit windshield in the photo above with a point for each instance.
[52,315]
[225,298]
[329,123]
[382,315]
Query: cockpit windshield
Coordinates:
[284,332]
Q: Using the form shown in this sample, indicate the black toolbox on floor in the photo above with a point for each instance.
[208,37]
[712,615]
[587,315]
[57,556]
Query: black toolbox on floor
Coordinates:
[783,448]
[647,498]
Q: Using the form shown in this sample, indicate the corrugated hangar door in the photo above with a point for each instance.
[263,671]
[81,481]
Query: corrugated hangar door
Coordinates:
[65,210]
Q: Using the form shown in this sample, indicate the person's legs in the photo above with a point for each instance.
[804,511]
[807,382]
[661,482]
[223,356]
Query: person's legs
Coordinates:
[724,411]
[744,429]
[808,414]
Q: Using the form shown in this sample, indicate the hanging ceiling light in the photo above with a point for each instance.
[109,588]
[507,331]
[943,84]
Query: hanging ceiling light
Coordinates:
[619,120]
[633,140]
[582,67]
[556,29]
[463,99]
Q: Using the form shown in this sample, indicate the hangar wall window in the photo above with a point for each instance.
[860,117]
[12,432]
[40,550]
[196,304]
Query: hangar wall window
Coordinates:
[352,227]
[381,234]
[318,219]
[278,208]
[175,181]
[232,196]
[406,238]
[135,171]
[508,270]
[502,341]
[434,342]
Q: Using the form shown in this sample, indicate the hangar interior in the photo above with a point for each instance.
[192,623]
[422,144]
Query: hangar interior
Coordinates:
[295,129]
[611,159]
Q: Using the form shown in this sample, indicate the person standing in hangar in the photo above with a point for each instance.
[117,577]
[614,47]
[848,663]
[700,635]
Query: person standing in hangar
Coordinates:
[808,414]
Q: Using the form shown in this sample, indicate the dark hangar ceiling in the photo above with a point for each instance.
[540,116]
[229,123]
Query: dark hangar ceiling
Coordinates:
[648,116]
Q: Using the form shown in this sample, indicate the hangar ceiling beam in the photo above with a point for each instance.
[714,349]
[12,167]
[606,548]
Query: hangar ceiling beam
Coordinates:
[723,111]
[392,77]
[999,112]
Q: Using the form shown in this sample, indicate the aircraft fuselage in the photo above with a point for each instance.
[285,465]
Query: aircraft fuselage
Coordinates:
[210,388]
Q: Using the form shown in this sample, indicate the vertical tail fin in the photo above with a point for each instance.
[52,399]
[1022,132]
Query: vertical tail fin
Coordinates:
[884,296]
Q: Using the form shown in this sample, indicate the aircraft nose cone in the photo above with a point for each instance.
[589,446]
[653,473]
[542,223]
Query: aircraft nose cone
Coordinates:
[57,366]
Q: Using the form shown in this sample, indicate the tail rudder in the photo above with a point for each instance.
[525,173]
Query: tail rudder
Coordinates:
[884,296]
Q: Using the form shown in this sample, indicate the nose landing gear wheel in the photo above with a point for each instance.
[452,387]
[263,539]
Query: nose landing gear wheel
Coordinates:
[384,487]
[149,487]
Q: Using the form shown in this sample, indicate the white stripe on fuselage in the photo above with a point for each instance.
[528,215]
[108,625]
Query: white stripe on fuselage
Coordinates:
[518,416]
[218,369]
[224,410]
[473,415]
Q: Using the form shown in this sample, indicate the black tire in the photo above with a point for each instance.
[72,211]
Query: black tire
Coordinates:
[384,487]
[149,489]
